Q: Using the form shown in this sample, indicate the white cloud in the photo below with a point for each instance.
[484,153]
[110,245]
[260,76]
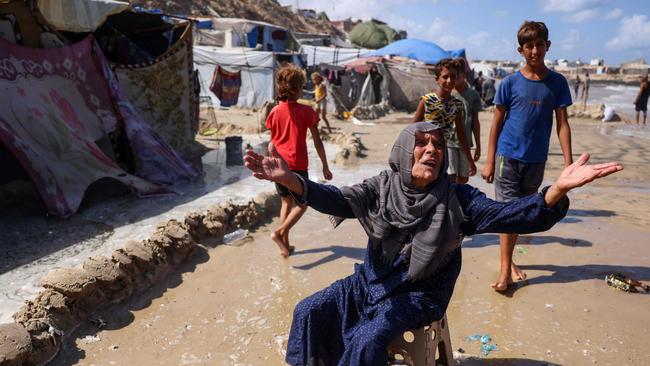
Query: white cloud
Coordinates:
[634,33]
[569,42]
[565,6]
[614,13]
[437,28]
[582,15]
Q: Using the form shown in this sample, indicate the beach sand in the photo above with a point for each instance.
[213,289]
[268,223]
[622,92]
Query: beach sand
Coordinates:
[232,305]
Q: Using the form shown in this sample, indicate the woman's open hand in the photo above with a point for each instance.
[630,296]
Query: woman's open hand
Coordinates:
[272,167]
[580,173]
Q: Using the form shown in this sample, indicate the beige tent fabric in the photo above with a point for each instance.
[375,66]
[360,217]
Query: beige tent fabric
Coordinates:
[163,94]
[79,15]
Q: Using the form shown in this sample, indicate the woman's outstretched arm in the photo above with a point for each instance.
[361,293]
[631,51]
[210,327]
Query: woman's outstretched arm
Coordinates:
[324,198]
[535,213]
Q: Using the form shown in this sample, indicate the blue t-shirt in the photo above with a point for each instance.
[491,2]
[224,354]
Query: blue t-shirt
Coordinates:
[529,114]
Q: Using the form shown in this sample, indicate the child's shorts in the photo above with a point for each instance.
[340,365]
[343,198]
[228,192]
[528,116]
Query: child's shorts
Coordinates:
[514,179]
[322,105]
[284,191]
[458,164]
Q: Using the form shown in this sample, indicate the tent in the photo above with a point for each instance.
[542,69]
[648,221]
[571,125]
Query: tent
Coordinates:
[79,15]
[22,23]
[236,32]
[254,70]
[372,34]
[65,120]
[423,51]
[317,55]
[153,61]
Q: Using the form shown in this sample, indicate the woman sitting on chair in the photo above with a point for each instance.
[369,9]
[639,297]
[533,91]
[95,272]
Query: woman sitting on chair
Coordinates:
[415,218]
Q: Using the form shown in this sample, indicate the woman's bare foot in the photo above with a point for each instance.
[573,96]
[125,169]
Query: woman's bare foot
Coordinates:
[517,273]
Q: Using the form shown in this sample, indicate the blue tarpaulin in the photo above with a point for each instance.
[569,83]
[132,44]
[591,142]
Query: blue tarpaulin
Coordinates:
[424,51]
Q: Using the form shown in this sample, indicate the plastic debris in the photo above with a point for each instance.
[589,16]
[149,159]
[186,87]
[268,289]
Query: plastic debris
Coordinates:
[622,283]
[487,348]
[550,306]
[485,339]
[233,237]
[522,249]
[90,339]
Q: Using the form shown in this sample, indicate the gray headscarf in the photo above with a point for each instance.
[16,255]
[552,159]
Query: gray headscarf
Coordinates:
[394,213]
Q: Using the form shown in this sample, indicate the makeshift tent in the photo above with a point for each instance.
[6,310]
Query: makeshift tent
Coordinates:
[22,23]
[163,93]
[317,55]
[56,110]
[79,15]
[256,71]
[423,51]
[235,32]
[372,34]
[407,83]
[154,64]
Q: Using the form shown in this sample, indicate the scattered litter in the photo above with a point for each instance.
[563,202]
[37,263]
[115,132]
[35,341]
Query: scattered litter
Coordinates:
[97,321]
[356,121]
[485,340]
[550,306]
[622,283]
[487,348]
[522,249]
[90,339]
[231,238]
[114,347]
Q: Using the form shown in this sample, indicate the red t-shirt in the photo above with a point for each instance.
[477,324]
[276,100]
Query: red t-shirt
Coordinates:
[289,122]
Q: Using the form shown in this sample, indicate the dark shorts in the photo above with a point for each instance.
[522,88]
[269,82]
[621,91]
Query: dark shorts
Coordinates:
[282,190]
[514,179]
[641,107]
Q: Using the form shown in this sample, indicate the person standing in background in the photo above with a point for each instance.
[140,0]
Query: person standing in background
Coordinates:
[585,91]
[641,101]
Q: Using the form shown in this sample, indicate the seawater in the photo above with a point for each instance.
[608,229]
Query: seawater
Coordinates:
[44,244]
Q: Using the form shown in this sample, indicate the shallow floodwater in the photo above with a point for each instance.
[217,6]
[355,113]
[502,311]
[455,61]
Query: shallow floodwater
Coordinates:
[33,244]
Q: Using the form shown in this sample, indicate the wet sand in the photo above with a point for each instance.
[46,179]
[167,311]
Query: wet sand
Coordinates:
[232,305]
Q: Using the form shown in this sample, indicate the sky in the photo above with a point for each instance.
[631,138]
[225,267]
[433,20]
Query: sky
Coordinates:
[614,30]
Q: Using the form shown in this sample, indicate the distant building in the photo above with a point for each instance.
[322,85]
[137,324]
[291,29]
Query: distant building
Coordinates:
[597,62]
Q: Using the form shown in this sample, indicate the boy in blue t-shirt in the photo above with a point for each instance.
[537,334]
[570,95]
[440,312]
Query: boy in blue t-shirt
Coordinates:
[522,125]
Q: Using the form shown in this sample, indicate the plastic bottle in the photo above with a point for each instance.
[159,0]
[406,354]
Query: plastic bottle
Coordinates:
[232,237]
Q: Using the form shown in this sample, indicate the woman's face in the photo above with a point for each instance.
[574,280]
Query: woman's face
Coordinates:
[427,157]
[447,80]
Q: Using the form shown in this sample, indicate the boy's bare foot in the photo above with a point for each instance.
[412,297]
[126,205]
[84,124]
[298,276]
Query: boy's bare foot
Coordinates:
[517,273]
[501,286]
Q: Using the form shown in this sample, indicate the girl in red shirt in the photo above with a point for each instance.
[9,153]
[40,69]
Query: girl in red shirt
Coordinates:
[289,122]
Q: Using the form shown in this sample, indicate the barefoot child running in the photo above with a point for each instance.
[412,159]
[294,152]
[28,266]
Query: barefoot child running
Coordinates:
[521,130]
[320,96]
[289,122]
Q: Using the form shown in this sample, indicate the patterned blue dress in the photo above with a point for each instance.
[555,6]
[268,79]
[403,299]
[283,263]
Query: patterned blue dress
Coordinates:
[353,321]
